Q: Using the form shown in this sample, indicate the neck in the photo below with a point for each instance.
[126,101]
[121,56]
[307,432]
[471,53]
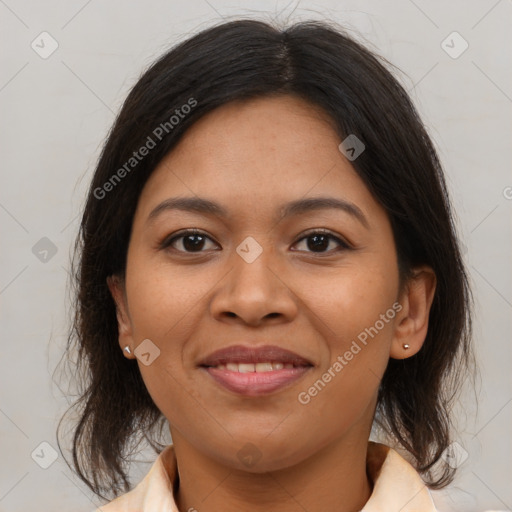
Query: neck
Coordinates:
[334,478]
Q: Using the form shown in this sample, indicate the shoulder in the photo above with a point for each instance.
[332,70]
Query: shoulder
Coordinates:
[154,492]
[396,483]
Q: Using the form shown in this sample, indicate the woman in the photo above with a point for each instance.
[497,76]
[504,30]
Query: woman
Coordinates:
[268,265]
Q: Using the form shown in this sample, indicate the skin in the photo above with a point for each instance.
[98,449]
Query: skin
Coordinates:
[252,157]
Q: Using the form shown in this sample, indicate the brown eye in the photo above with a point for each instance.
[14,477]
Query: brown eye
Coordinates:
[195,241]
[187,241]
[319,241]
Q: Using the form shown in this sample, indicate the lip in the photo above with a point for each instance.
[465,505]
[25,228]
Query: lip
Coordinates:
[255,383]
[245,354]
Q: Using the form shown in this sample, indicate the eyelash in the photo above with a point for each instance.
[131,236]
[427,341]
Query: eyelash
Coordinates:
[168,241]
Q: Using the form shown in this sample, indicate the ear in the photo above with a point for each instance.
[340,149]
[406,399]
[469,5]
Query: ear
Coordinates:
[117,289]
[412,321]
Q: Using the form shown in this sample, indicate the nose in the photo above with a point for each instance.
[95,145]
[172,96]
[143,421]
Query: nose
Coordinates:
[254,293]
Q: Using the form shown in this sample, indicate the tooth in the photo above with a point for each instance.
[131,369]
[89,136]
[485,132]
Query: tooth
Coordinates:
[246,367]
[263,367]
[256,367]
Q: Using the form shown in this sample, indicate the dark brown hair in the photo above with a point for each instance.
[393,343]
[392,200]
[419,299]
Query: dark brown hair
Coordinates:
[243,59]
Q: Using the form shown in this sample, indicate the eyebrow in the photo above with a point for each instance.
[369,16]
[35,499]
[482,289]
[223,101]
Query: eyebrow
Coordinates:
[300,206]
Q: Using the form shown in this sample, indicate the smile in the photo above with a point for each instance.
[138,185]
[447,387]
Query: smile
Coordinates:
[257,367]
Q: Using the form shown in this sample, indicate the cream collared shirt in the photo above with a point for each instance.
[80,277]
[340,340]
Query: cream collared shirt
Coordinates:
[396,485]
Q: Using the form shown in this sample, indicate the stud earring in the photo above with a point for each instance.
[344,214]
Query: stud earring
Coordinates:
[405,346]
[127,349]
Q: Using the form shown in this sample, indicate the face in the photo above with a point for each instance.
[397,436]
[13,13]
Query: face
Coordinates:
[321,282]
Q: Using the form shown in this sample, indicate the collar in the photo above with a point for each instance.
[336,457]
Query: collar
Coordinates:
[396,485]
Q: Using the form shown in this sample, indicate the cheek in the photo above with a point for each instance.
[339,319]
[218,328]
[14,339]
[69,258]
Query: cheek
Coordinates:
[356,318]
[350,300]
[161,310]
[355,314]
[163,299]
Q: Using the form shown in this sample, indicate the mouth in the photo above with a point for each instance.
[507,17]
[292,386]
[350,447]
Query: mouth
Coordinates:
[255,371]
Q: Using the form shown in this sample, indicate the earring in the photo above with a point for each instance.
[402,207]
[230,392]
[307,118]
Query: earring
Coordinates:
[405,346]
[127,349]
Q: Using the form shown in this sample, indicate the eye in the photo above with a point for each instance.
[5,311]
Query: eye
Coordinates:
[319,240]
[194,241]
[190,240]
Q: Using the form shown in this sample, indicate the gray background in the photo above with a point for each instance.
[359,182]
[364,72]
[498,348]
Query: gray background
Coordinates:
[56,111]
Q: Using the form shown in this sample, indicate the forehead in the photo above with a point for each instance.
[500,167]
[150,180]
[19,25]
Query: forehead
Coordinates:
[265,151]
